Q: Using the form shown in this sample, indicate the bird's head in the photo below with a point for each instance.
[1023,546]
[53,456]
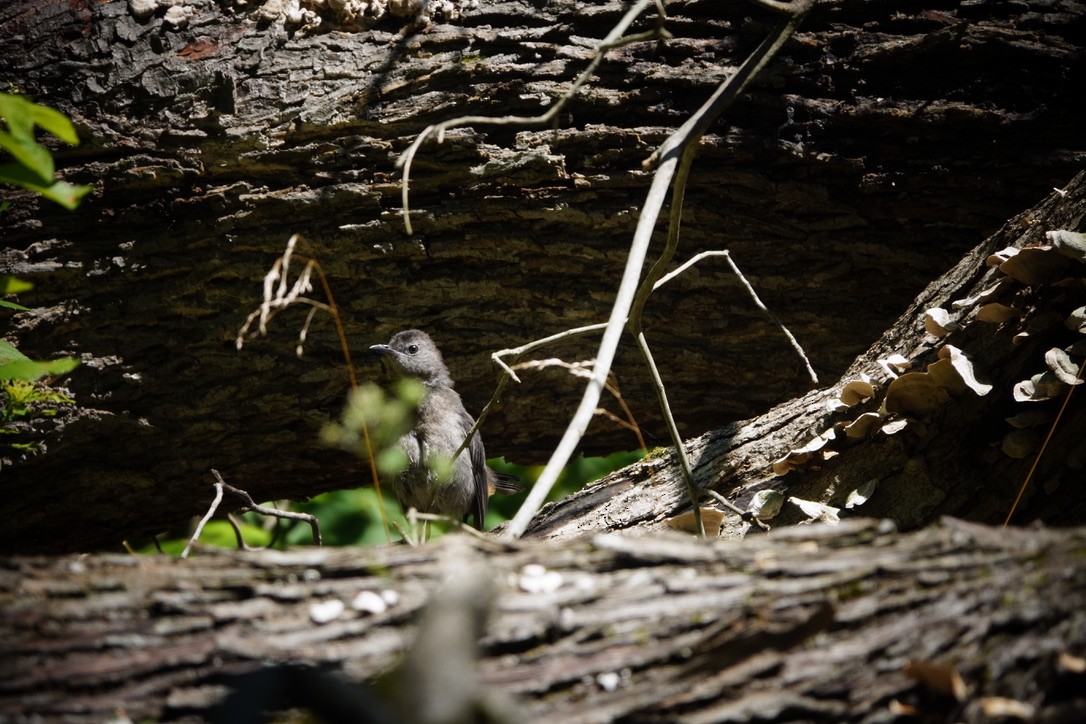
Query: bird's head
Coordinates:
[413,354]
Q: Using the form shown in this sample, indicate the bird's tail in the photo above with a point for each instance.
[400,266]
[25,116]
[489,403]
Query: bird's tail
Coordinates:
[504,484]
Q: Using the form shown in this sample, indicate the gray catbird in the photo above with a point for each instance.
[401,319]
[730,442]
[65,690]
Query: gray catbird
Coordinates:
[441,425]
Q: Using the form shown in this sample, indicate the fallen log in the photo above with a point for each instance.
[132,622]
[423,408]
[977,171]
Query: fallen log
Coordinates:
[855,622]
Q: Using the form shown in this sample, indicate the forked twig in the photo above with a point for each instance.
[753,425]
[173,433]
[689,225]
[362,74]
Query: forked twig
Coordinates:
[220,485]
[584,369]
[753,295]
[509,373]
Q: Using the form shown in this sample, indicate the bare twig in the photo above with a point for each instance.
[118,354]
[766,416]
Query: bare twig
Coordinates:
[459,524]
[508,373]
[667,158]
[730,89]
[753,295]
[614,39]
[635,326]
[673,431]
[203,521]
[221,485]
[242,545]
[584,369]
[736,509]
[1044,446]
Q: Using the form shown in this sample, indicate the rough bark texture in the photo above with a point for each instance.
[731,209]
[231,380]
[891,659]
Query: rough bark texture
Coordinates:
[953,459]
[882,143]
[812,624]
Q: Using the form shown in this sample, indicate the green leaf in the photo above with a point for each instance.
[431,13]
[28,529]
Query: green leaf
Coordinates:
[65,194]
[16,112]
[34,168]
[61,192]
[19,175]
[25,369]
[55,122]
[12,305]
[22,115]
[14,285]
[33,157]
[9,353]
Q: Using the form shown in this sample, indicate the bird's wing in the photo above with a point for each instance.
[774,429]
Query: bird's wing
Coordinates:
[478,473]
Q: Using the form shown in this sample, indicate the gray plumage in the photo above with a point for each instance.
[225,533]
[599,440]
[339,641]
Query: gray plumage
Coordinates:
[441,425]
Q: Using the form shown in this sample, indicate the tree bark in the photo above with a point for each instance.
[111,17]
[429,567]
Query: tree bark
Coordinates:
[847,623]
[880,145]
[967,456]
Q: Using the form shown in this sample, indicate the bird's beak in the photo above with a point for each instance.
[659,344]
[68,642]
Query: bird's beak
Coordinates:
[382,349]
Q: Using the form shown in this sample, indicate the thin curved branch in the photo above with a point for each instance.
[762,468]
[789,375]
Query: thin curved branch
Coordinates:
[634,324]
[753,295]
[667,157]
[508,372]
[614,39]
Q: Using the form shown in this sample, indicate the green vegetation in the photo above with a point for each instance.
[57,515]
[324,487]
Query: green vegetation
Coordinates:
[373,421]
[21,395]
[32,167]
[352,517]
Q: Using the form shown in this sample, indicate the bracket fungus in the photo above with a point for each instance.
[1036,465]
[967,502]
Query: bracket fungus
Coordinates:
[996,313]
[919,394]
[1035,265]
[939,323]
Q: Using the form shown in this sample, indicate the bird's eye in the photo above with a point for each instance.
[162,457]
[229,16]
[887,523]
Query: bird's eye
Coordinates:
[412,348]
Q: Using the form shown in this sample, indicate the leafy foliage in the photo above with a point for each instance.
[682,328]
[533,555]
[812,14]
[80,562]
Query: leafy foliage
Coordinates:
[14,365]
[33,166]
[25,399]
[32,169]
[21,395]
[373,422]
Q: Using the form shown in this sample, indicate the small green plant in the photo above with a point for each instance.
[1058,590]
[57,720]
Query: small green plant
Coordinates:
[385,417]
[22,397]
[27,398]
[32,167]
[23,400]
[14,365]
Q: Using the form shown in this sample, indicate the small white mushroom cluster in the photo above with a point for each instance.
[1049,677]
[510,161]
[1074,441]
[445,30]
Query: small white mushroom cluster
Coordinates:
[361,14]
[177,15]
[309,15]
